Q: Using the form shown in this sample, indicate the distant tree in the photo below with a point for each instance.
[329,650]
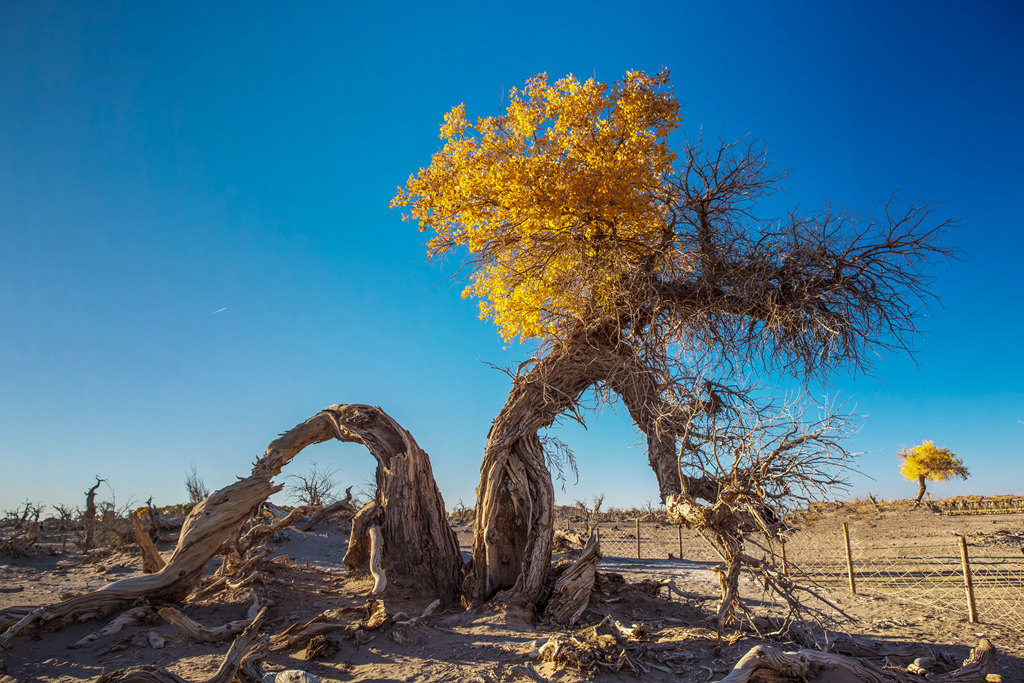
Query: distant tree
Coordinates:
[314,487]
[929,462]
[196,487]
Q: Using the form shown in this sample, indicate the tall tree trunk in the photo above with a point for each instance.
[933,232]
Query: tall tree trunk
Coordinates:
[515,499]
[920,490]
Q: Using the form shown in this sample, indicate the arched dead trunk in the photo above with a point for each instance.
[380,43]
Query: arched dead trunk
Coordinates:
[420,546]
[515,500]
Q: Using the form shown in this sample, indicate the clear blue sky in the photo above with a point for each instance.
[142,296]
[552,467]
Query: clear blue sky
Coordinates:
[161,163]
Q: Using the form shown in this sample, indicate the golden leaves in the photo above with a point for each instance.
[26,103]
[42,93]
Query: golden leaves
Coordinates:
[552,200]
[931,462]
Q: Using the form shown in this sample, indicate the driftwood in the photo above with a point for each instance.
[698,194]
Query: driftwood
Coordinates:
[209,634]
[246,648]
[152,561]
[573,588]
[767,664]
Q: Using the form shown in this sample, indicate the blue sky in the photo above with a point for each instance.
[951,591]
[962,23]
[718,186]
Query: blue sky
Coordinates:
[159,164]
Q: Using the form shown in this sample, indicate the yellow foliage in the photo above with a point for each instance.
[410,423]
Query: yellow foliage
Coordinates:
[932,463]
[557,201]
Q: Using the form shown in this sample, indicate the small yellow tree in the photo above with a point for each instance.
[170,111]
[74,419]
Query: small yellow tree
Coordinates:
[929,462]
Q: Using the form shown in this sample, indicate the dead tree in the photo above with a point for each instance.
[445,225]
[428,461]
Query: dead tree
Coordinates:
[419,547]
[89,516]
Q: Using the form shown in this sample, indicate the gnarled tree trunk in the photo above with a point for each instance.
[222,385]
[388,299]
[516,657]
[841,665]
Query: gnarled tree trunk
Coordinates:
[420,548]
[515,500]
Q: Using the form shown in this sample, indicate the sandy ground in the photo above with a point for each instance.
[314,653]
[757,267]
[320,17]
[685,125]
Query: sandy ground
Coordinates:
[459,645]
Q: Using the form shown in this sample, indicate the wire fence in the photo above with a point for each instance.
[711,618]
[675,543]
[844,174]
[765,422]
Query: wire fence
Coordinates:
[955,577]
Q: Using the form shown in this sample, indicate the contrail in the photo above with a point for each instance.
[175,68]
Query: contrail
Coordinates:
[219,310]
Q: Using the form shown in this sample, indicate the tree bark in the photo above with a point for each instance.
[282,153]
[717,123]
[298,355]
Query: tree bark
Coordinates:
[572,590]
[920,490]
[515,499]
[420,549]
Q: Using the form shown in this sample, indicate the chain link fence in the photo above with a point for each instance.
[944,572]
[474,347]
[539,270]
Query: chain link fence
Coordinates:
[932,575]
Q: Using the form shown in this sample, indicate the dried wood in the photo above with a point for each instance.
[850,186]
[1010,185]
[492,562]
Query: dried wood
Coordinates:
[247,646]
[209,634]
[343,506]
[380,578]
[136,615]
[357,557]
[425,551]
[152,561]
[420,548]
[767,664]
[573,589]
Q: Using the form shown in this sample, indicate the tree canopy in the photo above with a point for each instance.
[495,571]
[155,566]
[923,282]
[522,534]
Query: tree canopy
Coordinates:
[574,212]
[932,462]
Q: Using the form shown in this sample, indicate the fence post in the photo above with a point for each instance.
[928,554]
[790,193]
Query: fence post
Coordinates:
[638,538]
[785,563]
[972,611]
[849,558]
[679,529]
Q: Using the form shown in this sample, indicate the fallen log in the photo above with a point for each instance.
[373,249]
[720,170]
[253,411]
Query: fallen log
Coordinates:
[205,529]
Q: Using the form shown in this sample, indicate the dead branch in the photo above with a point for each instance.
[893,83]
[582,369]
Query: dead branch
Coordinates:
[766,663]
[136,615]
[152,561]
[209,634]
[245,647]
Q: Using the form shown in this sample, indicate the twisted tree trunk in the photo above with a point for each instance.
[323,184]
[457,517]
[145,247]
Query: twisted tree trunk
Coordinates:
[515,500]
[420,548]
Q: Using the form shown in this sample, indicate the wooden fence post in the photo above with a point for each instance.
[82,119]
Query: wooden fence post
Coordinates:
[638,538]
[785,563]
[849,558]
[972,610]
[679,529]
